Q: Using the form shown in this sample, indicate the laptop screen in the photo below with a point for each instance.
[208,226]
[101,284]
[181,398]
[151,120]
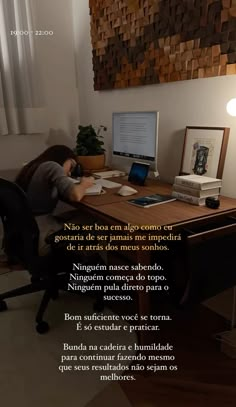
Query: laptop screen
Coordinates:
[138,173]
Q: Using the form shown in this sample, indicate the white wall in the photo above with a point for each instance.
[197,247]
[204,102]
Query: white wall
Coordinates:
[14,150]
[57,64]
[198,102]
[57,59]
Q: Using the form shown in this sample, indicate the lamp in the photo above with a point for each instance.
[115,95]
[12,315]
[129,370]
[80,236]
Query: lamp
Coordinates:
[231,107]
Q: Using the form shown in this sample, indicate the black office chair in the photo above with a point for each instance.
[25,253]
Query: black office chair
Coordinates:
[21,236]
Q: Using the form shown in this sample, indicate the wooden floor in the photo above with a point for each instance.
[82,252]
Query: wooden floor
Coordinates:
[205,375]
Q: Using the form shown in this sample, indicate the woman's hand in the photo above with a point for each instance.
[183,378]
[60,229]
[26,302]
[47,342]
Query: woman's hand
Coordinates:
[78,190]
[87,182]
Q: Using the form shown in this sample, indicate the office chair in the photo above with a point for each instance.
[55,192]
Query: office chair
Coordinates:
[21,237]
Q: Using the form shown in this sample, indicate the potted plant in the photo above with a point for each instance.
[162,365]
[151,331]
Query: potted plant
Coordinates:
[89,147]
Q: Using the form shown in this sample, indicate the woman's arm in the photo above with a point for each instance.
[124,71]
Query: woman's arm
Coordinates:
[77,191]
[67,189]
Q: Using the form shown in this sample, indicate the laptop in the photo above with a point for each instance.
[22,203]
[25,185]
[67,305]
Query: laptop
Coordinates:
[138,173]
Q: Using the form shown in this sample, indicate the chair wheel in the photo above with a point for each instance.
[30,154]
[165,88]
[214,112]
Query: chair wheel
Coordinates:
[42,327]
[3,306]
[98,306]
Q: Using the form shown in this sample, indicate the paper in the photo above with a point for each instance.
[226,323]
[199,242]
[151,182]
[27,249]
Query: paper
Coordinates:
[94,190]
[107,184]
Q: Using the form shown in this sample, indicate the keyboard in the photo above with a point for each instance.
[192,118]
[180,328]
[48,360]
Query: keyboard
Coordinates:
[107,184]
[109,174]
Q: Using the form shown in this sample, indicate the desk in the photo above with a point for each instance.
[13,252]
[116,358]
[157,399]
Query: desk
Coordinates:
[202,223]
[115,207]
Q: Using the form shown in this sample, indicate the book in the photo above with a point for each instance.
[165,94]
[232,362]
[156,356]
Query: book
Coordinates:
[191,199]
[200,193]
[109,174]
[151,200]
[198,181]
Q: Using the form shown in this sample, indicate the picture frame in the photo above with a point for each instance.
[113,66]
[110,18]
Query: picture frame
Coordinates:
[204,151]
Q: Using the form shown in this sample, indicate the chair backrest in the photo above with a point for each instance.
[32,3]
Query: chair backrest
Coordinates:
[21,233]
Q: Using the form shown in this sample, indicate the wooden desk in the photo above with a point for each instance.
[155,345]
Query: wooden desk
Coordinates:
[115,208]
[202,223]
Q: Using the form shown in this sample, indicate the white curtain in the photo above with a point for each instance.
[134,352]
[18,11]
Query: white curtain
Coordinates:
[21,101]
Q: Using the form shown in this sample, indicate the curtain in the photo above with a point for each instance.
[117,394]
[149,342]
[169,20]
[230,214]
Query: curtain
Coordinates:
[21,101]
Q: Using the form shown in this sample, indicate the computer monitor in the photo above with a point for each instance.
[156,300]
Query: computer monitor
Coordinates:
[134,138]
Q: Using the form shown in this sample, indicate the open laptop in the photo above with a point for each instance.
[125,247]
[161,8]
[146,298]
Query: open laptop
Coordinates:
[138,173]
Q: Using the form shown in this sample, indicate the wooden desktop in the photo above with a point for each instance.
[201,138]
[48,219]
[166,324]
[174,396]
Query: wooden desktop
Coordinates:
[198,224]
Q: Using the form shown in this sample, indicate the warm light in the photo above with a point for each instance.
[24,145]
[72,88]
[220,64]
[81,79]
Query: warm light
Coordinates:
[231,107]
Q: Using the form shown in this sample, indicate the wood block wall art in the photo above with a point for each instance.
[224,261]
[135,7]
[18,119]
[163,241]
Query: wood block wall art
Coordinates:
[140,42]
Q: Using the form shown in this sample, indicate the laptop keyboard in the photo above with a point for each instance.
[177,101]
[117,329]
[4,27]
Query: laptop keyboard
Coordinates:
[107,184]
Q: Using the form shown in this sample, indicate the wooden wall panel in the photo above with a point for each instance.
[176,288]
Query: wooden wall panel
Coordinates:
[139,42]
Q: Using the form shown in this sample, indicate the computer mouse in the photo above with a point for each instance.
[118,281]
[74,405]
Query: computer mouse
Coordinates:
[125,190]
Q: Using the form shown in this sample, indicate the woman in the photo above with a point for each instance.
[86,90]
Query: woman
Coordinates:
[45,180]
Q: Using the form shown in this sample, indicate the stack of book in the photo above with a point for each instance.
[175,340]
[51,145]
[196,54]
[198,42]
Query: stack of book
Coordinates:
[195,188]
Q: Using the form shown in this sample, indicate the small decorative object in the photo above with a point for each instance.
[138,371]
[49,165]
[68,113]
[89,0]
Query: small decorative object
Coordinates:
[212,202]
[204,151]
[89,147]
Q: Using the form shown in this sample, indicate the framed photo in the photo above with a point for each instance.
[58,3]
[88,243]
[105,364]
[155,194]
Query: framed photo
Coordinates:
[204,151]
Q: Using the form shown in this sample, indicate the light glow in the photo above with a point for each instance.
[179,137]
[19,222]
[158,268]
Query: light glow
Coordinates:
[231,107]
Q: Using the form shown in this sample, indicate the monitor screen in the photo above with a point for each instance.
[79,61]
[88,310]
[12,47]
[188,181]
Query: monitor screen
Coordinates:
[134,135]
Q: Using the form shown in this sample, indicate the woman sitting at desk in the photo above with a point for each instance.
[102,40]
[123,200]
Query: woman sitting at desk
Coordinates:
[45,180]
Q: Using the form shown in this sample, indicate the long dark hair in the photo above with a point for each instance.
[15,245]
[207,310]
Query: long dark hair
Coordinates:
[57,153]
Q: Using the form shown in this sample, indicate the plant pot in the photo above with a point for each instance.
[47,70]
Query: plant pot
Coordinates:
[92,162]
